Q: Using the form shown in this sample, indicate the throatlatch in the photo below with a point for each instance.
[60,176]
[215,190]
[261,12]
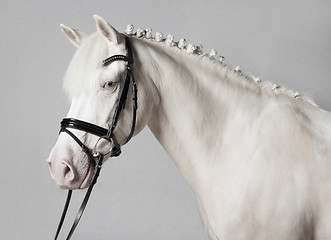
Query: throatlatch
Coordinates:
[94,156]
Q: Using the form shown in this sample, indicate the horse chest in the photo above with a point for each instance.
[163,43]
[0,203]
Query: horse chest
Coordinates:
[245,207]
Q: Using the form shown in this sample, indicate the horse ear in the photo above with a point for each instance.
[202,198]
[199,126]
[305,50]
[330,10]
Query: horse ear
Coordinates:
[108,31]
[75,36]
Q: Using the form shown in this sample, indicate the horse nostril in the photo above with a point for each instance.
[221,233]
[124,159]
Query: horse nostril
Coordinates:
[67,172]
[66,169]
[62,173]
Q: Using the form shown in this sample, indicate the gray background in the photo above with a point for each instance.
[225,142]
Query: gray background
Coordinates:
[140,195]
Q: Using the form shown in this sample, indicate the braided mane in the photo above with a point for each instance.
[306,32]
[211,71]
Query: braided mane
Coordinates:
[217,61]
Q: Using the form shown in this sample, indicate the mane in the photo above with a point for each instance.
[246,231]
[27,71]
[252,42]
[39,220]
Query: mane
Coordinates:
[215,62]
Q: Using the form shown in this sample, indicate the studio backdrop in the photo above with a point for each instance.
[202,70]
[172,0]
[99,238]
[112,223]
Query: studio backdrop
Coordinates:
[141,194]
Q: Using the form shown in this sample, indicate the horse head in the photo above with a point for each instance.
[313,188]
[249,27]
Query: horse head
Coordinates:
[93,87]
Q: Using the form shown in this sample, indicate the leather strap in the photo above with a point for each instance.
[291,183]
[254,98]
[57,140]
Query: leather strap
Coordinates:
[64,212]
[83,126]
[84,203]
[85,149]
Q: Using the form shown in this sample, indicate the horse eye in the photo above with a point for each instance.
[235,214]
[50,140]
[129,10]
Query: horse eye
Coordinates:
[109,84]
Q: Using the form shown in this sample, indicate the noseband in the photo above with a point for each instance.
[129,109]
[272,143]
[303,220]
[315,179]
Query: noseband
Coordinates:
[95,157]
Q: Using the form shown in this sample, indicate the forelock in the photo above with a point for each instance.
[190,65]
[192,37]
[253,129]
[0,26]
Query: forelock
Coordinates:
[83,68]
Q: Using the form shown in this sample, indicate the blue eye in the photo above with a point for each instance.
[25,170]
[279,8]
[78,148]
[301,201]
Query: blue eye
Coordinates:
[109,84]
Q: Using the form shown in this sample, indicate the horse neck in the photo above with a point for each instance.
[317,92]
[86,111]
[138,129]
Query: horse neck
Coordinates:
[198,101]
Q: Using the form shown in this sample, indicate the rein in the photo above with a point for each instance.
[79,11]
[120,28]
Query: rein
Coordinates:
[95,157]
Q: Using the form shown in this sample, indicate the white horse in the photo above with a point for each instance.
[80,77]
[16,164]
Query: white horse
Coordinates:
[257,156]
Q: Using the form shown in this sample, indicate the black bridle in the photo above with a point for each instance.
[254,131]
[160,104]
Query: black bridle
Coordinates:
[95,157]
